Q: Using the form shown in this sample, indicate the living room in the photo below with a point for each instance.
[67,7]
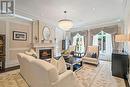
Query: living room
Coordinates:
[47,43]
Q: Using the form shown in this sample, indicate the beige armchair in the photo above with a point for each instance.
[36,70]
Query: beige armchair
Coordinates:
[88,58]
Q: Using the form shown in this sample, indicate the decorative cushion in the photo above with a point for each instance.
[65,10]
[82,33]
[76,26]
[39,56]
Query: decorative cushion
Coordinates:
[54,62]
[89,55]
[31,53]
[94,55]
[59,64]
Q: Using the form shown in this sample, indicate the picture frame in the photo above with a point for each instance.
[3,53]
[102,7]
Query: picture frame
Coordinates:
[20,36]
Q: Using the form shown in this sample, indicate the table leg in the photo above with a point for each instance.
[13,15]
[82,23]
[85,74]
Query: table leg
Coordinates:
[71,67]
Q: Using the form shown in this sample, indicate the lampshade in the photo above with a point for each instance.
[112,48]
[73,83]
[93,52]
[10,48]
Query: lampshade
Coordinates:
[92,49]
[121,38]
[65,24]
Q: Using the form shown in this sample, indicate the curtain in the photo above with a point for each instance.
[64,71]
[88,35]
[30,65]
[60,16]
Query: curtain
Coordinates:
[108,47]
[113,30]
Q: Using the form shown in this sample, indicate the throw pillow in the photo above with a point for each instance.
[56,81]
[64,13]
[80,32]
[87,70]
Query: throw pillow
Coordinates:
[89,55]
[34,54]
[59,64]
[31,53]
[94,55]
[54,62]
[28,53]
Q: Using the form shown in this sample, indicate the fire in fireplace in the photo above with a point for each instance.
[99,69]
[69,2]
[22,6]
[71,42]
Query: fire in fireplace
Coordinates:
[45,53]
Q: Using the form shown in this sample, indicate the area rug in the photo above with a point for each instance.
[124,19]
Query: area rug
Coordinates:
[12,79]
[99,76]
[88,75]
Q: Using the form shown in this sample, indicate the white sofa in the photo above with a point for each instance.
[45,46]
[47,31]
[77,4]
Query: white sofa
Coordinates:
[25,64]
[39,73]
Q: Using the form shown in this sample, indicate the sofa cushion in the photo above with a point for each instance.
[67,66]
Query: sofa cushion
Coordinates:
[31,52]
[59,64]
[89,54]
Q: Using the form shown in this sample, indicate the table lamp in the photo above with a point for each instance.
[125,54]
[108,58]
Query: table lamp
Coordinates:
[121,38]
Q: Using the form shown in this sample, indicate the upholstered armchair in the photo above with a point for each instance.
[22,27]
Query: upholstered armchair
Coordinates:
[92,55]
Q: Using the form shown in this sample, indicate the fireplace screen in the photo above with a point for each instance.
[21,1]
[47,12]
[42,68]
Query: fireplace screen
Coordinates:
[45,53]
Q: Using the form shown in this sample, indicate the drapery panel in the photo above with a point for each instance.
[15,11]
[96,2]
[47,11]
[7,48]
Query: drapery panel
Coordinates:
[88,34]
[113,30]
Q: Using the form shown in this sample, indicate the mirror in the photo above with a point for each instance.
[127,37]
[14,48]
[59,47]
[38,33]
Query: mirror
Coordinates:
[46,33]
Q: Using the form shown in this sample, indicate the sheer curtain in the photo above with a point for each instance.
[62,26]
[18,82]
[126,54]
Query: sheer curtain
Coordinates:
[95,40]
[108,46]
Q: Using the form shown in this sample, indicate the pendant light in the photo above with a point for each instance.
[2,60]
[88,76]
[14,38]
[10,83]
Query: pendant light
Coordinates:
[65,24]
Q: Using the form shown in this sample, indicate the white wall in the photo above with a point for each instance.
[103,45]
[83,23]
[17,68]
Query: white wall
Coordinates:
[7,26]
[59,36]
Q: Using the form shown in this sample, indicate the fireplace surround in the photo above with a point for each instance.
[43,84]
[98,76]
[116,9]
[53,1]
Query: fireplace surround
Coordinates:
[45,53]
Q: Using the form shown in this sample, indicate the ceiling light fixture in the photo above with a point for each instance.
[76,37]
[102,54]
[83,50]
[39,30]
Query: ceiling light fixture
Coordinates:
[65,24]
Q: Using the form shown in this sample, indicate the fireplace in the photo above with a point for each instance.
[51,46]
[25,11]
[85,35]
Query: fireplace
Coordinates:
[45,53]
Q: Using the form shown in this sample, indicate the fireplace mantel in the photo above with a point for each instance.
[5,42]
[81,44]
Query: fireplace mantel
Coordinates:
[44,46]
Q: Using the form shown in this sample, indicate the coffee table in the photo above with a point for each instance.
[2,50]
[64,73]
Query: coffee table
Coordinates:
[73,63]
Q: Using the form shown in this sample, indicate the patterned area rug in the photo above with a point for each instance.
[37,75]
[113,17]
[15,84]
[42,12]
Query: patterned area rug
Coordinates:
[89,76]
[100,76]
[12,79]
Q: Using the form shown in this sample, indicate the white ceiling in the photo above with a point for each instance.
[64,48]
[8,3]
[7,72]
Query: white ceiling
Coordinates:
[81,12]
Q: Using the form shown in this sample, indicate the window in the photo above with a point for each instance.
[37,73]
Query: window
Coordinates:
[78,41]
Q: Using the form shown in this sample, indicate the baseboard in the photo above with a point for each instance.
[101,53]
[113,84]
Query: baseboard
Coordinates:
[10,69]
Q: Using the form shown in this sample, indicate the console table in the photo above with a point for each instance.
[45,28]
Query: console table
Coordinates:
[120,64]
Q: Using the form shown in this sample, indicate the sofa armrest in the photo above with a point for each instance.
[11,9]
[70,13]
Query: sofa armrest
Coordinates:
[65,80]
